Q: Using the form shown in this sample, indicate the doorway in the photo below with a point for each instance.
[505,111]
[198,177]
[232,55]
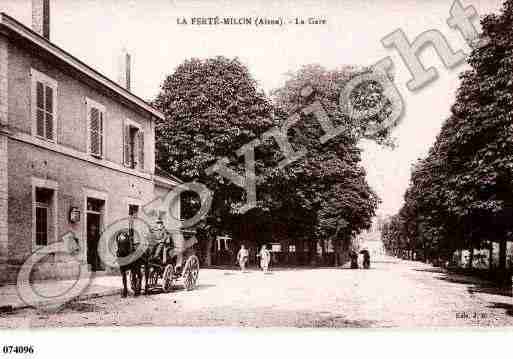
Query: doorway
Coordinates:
[94,219]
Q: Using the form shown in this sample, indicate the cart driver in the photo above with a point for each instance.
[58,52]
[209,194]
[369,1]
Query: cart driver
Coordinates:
[164,240]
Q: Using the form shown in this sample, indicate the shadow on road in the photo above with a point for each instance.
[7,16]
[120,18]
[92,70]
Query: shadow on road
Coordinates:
[507,307]
[339,322]
[503,291]
[180,287]
[81,307]
[270,316]
[177,288]
[474,285]
[430,270]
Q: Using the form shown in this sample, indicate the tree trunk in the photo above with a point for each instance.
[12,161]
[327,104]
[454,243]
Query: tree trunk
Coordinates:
[502,255]
[471,257]
[323,251]
[313,252]
[490,256]
[336,248]
[504,278]
[208,252]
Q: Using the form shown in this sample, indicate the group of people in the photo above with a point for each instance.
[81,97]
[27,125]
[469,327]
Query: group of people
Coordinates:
[264,255]
[354,259]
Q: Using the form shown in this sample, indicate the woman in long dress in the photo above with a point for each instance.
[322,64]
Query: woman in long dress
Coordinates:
[242,257]
[265,258]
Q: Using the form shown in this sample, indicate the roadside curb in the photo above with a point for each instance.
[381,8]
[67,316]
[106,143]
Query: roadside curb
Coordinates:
[6,309]
[10,308]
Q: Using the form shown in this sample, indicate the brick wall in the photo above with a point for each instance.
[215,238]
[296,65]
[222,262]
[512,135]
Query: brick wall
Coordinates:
[3,81]
[71,122]
[3,159]
[3,206]
[74,178]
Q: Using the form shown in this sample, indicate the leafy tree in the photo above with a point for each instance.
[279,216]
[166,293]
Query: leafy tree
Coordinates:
[327,187]
[462,190]
[212,108]
[483,144]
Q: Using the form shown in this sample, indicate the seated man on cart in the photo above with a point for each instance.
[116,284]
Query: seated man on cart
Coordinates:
[163,241]
[169,245]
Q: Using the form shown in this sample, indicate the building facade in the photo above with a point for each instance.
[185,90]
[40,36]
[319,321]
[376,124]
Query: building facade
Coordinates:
[76,151]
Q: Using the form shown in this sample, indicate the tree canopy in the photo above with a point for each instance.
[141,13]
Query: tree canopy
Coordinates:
[213,107]
[329,181]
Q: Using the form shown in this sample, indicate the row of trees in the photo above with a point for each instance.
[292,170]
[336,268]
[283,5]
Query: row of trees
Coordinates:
[461,194]
[214,106]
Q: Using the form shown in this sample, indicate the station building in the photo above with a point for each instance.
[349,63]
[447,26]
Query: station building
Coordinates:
[77,150]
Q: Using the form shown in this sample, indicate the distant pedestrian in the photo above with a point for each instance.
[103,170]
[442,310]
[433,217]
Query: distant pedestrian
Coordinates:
[242,257]
[354,259]
[366,259]
[265,258]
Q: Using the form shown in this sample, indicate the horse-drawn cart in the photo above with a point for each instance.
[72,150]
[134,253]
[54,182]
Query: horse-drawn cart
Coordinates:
[170,257]
[165,275]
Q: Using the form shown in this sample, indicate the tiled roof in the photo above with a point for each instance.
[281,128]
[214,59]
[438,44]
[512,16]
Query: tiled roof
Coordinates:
[16,28]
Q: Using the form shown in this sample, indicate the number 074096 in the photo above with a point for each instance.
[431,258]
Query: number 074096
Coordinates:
[18,349]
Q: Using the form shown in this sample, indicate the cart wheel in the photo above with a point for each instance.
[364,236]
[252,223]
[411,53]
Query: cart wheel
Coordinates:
[135,282]
[167,278]
[191,272]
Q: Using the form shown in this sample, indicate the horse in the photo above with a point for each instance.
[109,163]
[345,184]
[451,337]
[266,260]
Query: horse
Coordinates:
[125,247]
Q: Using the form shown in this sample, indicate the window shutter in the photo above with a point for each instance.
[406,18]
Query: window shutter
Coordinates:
[126,145]
[100,134]
[141,149]
[43,105]
[49,112]
[94,131]
[40,113]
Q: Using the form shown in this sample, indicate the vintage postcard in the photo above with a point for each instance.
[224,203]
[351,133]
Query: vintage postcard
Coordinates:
[255,164]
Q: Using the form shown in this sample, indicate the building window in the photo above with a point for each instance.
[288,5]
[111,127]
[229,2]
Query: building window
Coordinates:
[44,105]
[133,210]
[94,205]
[223,243]
[133,146]
[275,247]
[43,215]
[95,128]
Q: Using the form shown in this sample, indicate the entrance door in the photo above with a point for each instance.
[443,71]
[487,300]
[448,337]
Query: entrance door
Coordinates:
[93,223]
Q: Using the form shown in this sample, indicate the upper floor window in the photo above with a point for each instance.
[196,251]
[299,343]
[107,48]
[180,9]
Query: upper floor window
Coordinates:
[95,128]
[44,105]
[133,145]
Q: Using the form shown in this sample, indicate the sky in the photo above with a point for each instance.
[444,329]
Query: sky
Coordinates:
[96,31]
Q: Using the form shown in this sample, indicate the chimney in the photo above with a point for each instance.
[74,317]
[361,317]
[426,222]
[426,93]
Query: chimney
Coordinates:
[41,17]
[124,70]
